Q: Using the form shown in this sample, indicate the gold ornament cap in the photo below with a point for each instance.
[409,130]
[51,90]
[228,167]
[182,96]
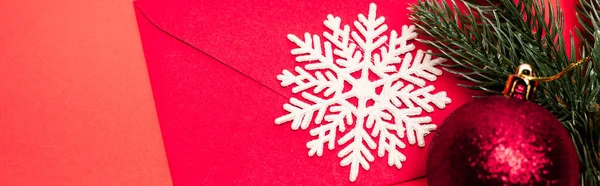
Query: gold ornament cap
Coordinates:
[523,83]
[519,86]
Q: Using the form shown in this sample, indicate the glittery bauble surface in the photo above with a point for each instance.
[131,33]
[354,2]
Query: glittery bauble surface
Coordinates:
[502,141]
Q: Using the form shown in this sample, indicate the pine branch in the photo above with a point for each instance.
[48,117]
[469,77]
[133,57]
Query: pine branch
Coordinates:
[488,42]
[589,35]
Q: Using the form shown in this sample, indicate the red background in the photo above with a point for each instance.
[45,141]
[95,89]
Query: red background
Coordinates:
[76,106]
[75,101]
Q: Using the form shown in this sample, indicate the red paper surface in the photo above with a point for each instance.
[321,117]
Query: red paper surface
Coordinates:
[76,105]
[416,182]
[213,68]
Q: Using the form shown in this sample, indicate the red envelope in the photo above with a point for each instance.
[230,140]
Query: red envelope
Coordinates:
[213,66]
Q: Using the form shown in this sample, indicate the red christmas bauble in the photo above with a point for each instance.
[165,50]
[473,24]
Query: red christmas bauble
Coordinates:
[502,141]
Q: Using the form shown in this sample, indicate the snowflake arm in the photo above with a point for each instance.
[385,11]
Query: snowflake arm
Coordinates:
[398,46]
[422,97]
[370,28]
[301,113]
[356,153]
[388,142]
[416,131]
[305,80]
[407,95]
[310,50]
[416,127]
[349,56]
[326,133]
[422,67]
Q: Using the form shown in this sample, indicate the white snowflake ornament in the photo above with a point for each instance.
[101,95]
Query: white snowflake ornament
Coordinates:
[389,106]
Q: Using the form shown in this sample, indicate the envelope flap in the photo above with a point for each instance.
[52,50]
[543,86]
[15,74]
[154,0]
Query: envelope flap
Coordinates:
[251,37]
[241,34]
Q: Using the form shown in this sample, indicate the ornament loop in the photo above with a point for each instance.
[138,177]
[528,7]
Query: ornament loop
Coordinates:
[523,84]
[561,73]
